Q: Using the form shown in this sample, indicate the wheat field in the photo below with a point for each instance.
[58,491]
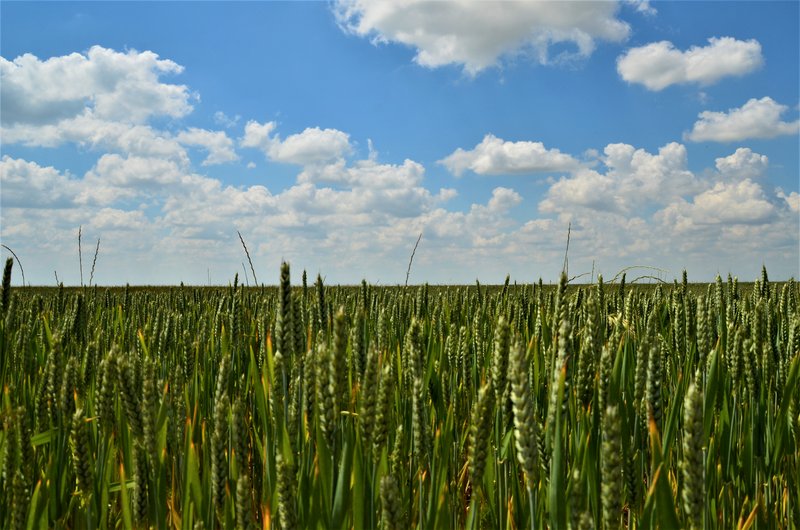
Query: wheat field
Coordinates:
[431,407]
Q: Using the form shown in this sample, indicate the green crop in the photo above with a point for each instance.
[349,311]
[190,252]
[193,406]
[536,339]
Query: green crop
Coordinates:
[516,406]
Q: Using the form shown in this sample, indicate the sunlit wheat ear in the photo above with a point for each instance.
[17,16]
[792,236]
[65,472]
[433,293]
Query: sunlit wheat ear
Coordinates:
[611,468]
[287,493]
[397,460]
[525,425]
[27,461]
[244,504]
[640,370]
[219,448]
[69,388]
[293,409]
[82,458]
[309,382]
[149,406]
[223,376]
[500,354]
[338,365]
[703,332]
[588,351]
[42,408]
[358,346]
[129,394]
[750,367]
[239,437]
[692,460]
[140,487]
[577,500]
[604,377]
[465,357]
[654,375]
[391,505]
[325,394]
[413,350]
[11,456]
[480,433]
[559,366]
[368,397]
[383,408]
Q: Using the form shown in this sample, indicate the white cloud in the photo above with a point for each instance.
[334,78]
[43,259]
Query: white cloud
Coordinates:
[725,203]
[219,146]
[476,36]
[494,156]
[100,100]
[366,173]
[222,119]
[758,118]
[313,146]
[114,86]
[643,7]
[92,133]
[29,185]
[650,208]
[503,199]
[115,178]
[792,200]
[743,164]
[158,221]
[659,64]
[634,179]
[587,189]
[114,219]
[257,135]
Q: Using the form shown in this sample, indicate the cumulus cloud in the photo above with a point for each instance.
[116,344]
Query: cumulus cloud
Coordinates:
[494,156]
[368,173]
[725,203]
[659,64]
[758,118]
[792,200]
[359,216]
[633,180]
[29,185]
[223,120]
[89,132]
[465,33]
[111,85]
[115,177]
[257,135]
[101,100]
[643,7]
[586,189]
[723,215]
[313,146]
[503,199]
[219,146]
[116,219]
[743,164]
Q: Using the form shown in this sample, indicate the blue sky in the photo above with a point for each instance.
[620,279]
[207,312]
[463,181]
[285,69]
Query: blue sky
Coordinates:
[332,134]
